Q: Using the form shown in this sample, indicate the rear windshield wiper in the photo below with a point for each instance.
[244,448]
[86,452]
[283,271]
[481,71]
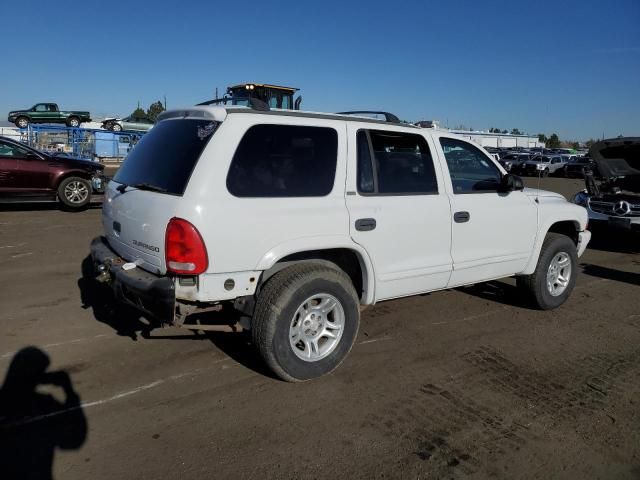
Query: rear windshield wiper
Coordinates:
[141,186]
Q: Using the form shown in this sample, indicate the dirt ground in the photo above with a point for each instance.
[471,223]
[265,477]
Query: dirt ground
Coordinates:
[468,383]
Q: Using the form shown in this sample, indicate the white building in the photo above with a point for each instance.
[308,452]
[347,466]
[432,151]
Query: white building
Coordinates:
[486,139]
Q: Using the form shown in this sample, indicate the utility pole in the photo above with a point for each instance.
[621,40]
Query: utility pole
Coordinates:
[165,101]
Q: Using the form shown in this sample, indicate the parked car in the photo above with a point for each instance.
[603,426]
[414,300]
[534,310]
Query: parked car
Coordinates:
[47,113]
[615,200]
[576,168]
[512,161]
[29,175]
[131,123]
[542,165]
[343,212]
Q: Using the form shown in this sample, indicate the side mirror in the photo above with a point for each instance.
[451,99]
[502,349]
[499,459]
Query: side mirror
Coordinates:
[511,183]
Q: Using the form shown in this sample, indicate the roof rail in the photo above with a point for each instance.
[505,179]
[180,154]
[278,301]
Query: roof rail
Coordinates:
[388,117]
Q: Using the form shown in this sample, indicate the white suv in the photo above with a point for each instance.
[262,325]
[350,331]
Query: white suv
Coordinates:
[299,219]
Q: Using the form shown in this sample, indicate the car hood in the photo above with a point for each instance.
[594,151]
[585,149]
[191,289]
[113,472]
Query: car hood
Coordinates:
[77,162]
[536,192]
[619,157]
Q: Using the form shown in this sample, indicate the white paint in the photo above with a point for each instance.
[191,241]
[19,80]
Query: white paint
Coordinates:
[52,345]
[118,396]
[375,340]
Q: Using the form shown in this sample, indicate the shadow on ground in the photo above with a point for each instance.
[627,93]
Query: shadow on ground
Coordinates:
[499,292]
[44,206]
[612,274]
[34,424]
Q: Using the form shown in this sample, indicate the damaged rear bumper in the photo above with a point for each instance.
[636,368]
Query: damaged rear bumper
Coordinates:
[151,294]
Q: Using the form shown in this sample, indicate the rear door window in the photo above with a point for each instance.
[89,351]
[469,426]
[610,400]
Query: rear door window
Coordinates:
[284,161]
[166,156]
[394,163]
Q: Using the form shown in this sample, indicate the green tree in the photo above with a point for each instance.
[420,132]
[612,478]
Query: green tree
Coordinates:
[553,141]
[505,131]
[515,131]
[575,145]
[139,113]
[154,110]
[542,138]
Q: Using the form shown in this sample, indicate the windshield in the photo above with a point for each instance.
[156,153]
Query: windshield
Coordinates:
[165,157]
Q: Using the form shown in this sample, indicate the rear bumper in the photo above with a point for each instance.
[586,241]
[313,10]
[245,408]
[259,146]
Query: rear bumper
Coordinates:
[150,294]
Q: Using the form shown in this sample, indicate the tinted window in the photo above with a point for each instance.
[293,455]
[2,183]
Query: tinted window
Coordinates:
[9,150]
[284,161]
[397,163]
[365,168]
[166,156]
[470,169]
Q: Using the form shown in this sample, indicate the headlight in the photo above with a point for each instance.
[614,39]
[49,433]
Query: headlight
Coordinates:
[581,198]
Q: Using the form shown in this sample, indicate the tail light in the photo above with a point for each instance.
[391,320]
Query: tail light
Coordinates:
[184,249]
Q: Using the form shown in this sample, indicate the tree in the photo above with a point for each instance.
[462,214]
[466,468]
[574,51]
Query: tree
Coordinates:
[154,110]
[590,142]
[553,141]
[505,131]
[494,130]
[515,131]
[575,145]
[542,138]
[139,113]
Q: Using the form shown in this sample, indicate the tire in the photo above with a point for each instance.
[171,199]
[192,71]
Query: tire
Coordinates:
[73,122]
[22,122]
[280,317]
[555,247]
[545,173]
[74,193]
[116,127]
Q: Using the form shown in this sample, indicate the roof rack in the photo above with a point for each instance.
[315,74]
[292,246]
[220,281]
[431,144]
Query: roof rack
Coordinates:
[388,117]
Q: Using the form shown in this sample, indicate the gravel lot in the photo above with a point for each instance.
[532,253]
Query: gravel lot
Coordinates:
[468,383]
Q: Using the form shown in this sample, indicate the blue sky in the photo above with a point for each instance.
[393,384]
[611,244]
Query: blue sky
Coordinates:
[571,67]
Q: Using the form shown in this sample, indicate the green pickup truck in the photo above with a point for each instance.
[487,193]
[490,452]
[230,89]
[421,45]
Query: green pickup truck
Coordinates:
[47,113]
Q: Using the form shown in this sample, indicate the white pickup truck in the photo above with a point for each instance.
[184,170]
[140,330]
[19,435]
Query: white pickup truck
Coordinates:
[299,219]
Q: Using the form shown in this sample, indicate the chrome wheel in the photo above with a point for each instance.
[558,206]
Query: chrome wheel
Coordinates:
[23,123]
[559,273]
[74,122]
[316,327]
[76,192]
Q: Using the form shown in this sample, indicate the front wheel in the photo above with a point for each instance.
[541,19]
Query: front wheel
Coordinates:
[74,193]
[306,320]
[116,127]
[22,122]
[555,275]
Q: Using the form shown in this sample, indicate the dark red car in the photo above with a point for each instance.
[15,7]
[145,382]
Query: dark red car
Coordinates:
[29,175]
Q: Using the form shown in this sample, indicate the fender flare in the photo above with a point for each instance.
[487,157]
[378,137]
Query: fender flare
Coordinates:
[324,242]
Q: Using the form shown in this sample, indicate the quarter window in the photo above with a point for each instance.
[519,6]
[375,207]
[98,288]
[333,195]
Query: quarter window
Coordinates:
[471,171]
[284,161]
[394,163]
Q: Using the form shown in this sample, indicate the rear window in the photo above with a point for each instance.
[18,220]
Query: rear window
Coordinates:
[166,156]
[284,161]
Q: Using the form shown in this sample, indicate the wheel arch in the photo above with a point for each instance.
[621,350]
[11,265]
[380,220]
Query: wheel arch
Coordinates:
[349,257]
[61,177]
[569,227]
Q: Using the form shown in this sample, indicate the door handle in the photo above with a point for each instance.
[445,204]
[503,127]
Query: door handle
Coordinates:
[365,224]
[461,217]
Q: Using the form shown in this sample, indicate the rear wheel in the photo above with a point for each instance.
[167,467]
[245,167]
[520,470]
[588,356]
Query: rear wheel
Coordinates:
[74,122]
[22,122]
[555,276]
[74,193]
[306,320]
